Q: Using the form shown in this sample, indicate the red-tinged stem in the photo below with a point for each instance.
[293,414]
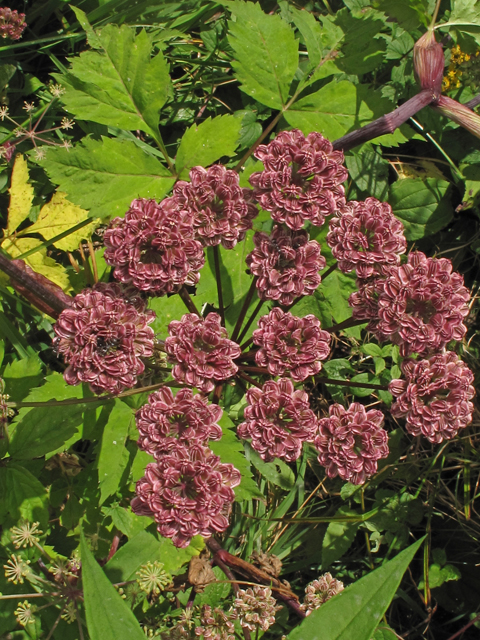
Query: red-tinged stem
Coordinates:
[218,277]
[246,344]
[329,271]
[346,324]
[37,288]
[244,309]
[217,393]
[254,574]
[387,123]
[188,302]
[252,369]
[463,629]
[474,102]
[113,547]
[248,379]
[250,320]
[348,383]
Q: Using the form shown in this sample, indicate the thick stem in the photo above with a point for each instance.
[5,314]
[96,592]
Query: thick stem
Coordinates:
[188,302]
[348,383]
[218,277]
[474,102]
[244,309]
[250,320]
[248,379]
[329,271]
[387,123]
[346,324]
[231,577]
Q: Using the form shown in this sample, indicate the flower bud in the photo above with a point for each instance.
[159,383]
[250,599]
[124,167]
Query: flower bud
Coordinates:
[429,62]
[459,113]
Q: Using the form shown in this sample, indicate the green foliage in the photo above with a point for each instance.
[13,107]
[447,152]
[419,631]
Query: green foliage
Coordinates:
[108,616]
[338,538]
[265,53]
[105,175]
[359,608]
[276,472]
[23,496]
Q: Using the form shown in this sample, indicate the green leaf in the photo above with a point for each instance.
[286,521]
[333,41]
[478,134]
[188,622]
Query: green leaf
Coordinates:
[276,472]
[362,50]
[409,14]
[22,375]
[105,175]
[230,450]
[312,32]
[465,17]
[369,171]
[356,611]
[423,206]
[118,84]
[35,433]
[384,633]
[167,309]
[207,142]
[265,53]
[6,73]
[332,111]
[108,616]
[22,496]
[126,521]
[338,538]
[113,457]
[21,195]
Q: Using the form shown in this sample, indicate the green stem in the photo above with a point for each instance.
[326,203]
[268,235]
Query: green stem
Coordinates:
[47,243]
[435,15]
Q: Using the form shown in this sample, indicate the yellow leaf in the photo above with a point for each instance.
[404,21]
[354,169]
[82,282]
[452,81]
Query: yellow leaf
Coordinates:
[38,261]
[58,216]
[21,195]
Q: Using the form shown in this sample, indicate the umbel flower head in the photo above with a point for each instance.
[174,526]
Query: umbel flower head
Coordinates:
[291,345]
[256,608]
[366,235]
[154,247]
[351,441]
[216,624]
[319,591]
[201,351]
[12,23]
[222,211]
[103,336]
[286,264]
[434,398]
[422,305]
[5,411]
[166,420]
[278,419]
[302,179]
[188,492]
[152,578]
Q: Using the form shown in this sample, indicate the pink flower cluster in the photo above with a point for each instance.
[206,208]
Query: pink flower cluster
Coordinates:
[291,345]
[302,178]
[153,247]
[286,264]
[12,23]
[221,211]
[434,397]
[255,608]
[166,420]
[201,351]
[279,420]
[351,441]
[188,492]
[366,235]
[103,336]
[319,591]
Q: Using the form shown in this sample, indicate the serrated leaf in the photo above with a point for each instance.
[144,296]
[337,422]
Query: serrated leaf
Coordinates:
[108,616]
[207,142]
[21,195]
[408,13]
[356,611]
[423,206]
[362,50]
[465,18]
[22,375]
[104,176]
[58,216]
[113,457]
[265,53]
[22,496]
[118,84]
[230,450]
[126,521]
[332,111]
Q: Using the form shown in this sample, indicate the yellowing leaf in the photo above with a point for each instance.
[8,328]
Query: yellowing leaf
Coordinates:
[38,261]
[58,216]
[21,195]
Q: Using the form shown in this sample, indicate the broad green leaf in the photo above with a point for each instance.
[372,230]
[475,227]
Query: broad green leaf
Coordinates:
[21,195]
[356,611]
[207,142]
[38,432]
[362,49]
[166,310]
[113,457]
[265,53]
[409,14]
[276,472]
[22,375]
[104,176]
[230,450]
[145,547]
[58,216]
[216,593]
[38,261]
[139,464]
[465,18]
[423,206]
[384,633]
[369,171]
[108,616]
[126,521]
[22,496]
[332,111]
[338,538]
[6,73]
[118,84]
